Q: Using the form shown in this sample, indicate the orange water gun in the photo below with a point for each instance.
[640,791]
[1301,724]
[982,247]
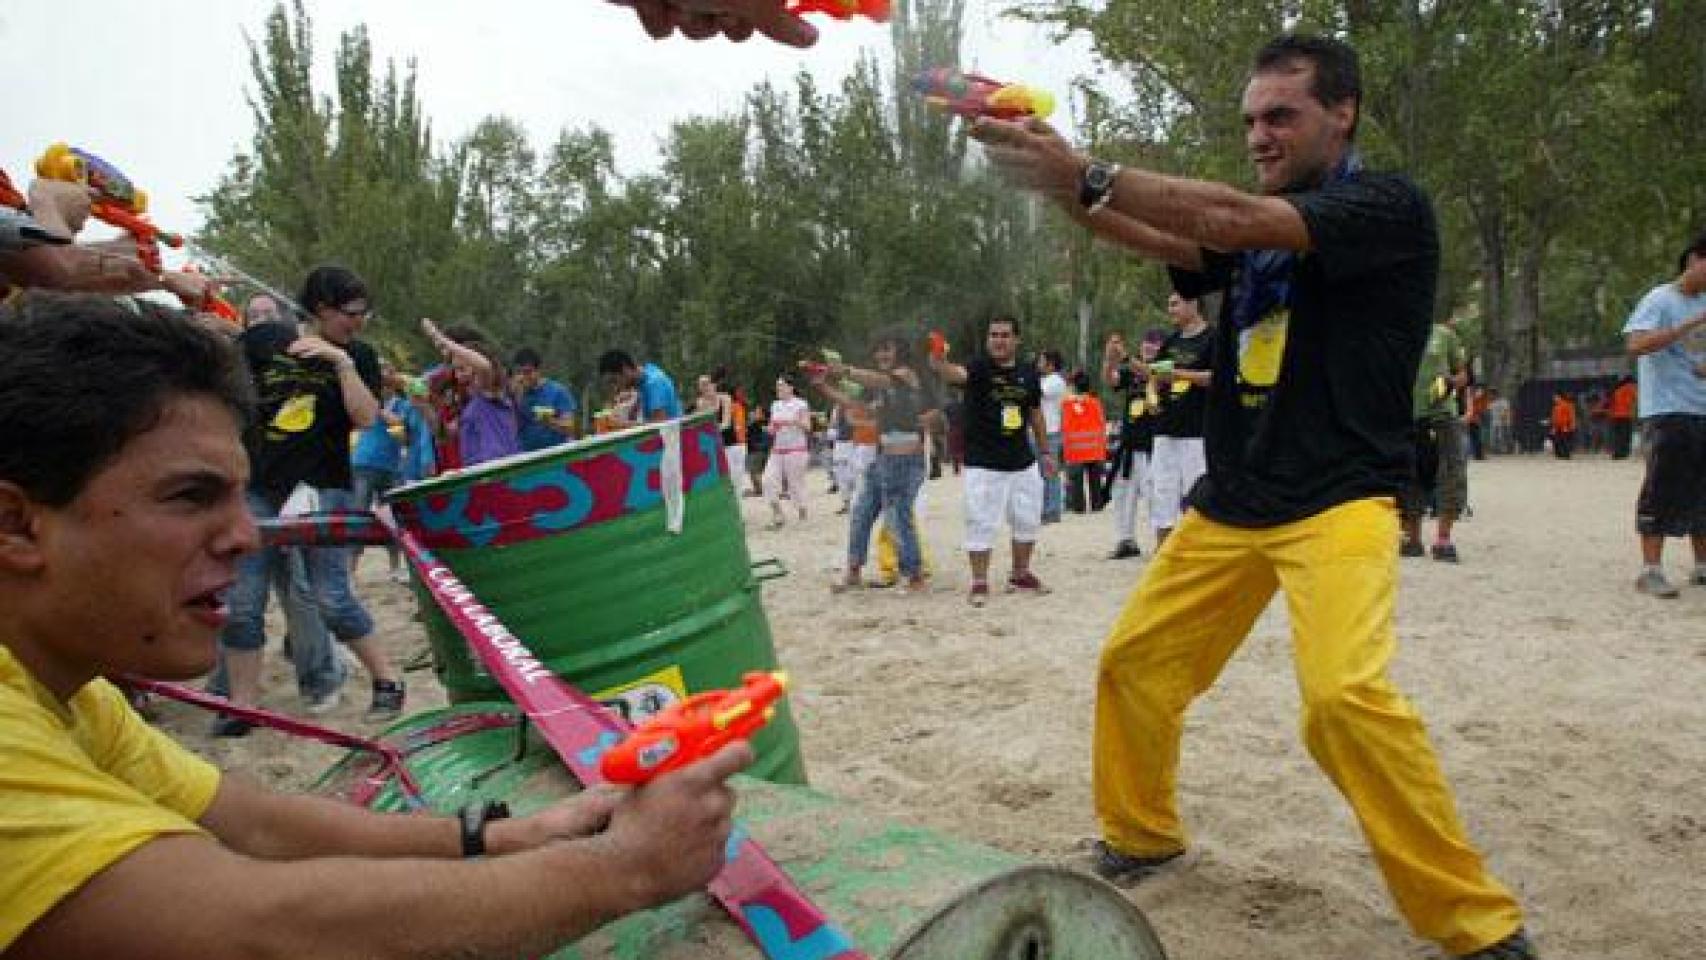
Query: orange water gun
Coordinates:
[972,95]
[877,10]
[118,201]
[938,345]
[694,729]
[214,303]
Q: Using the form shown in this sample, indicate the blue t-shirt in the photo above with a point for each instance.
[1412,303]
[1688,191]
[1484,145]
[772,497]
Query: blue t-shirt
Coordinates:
[548,394]
[657,394]
[420,456]
[1667,378]
[375,446]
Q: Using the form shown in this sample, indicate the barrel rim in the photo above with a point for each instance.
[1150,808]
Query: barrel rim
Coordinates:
[1140,922]
[455,479]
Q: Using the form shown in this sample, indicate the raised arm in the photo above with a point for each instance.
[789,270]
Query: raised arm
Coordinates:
[484,373]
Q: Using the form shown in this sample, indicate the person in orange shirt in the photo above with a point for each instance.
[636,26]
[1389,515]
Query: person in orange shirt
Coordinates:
[1563,425]
[1622,418]
[1084,434]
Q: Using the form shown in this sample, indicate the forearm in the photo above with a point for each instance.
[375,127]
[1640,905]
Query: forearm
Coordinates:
[1643,342]
[1138,238]
[80,269]
[359,401]
[1176,210]
[275,826]
[951,373]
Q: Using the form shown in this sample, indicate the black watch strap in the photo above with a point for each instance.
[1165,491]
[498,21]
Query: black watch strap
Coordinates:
[474,818]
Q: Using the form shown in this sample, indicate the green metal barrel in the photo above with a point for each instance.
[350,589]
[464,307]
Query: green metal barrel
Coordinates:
[620,560]
[900,892]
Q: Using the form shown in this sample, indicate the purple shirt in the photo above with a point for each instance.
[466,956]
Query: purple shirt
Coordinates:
[489,429]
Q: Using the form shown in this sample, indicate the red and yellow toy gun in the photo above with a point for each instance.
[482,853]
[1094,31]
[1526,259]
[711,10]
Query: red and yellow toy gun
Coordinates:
[938,345]
[971,96]
[877,10]
[117,200]
[694,729]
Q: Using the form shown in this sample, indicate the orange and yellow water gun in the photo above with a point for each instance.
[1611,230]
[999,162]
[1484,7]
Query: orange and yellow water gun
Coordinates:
[877,10]
[118,201]
[972,95]
[694,729]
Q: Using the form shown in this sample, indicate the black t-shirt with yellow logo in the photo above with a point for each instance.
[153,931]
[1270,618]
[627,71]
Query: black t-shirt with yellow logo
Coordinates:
[301,430]
[1317,354]
[998,406]
[1184,404]
[1140,402]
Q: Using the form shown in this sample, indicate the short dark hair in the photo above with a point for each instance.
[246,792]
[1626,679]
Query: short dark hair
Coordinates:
[333,286]
[1081,381]
[1337,74]
[81,376]
[527,357]
[615,361]
[1697,248]
[1054,359]
[898,337]
[1006,318]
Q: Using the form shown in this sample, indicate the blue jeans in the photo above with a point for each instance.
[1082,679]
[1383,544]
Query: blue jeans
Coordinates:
[329,573]
[319,672]
[890,487]
[1052,488]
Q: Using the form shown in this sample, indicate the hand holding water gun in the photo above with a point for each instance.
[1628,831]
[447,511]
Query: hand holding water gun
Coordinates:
[118,201]
[876,10]
[972,96]
[695,728]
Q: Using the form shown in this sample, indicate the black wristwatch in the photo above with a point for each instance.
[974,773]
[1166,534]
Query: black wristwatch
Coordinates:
[474,818]
[1096,186]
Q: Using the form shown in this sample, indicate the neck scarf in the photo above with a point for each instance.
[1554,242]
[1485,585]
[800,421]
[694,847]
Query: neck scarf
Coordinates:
[1264,282]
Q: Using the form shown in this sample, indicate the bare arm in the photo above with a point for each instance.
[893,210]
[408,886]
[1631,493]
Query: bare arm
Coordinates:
[1172,210]
[951,373]
[664,840]
[1138,238]
[1642,342]
[361,404]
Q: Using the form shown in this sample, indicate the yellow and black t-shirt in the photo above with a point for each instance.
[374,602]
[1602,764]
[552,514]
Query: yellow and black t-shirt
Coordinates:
[998,406]
[1317,353]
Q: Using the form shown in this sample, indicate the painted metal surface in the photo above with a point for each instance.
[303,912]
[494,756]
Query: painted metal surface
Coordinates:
[900,892]
[572,549]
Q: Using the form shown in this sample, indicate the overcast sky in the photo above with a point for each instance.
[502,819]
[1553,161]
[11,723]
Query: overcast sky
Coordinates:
[159,87]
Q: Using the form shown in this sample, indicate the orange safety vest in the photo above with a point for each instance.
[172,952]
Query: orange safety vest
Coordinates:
[1563,416]
[1083,430]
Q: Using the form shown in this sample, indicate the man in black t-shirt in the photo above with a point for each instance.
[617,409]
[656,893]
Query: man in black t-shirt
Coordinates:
[1329,279]
[1003,418]
[1182,374]
[312,388]
[1140,402]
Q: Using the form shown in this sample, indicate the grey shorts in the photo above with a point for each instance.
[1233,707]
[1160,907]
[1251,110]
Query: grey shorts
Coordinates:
[1442,470]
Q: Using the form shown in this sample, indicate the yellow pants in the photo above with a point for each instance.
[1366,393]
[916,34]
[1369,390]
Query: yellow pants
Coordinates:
[1192,609]
[888,552]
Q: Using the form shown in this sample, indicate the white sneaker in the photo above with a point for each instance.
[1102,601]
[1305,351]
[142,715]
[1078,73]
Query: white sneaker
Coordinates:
[325,703]
[1654,584]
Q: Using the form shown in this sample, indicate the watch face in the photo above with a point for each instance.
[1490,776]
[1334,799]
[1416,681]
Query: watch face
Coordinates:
[1099,176]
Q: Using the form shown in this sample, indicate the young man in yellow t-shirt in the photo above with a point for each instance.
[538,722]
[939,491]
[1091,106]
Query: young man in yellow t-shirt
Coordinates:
[121,522]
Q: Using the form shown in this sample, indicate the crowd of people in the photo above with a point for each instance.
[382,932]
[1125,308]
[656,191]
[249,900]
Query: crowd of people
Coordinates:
[1294,443]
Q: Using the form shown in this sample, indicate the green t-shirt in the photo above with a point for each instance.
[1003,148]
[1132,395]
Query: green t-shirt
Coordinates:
[1443,356]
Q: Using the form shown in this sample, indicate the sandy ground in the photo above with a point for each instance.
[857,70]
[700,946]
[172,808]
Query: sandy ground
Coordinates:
[1568,712]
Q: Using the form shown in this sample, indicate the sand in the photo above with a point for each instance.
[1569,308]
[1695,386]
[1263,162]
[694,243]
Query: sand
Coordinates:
[1568,712]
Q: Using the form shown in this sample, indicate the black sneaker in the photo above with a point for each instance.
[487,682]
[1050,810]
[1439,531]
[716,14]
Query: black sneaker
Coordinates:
[387,700]
[1124,869]
[1699,577]
[1125,550]
[1411,548]
[1514,947]
[224,726]
[1445,552]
